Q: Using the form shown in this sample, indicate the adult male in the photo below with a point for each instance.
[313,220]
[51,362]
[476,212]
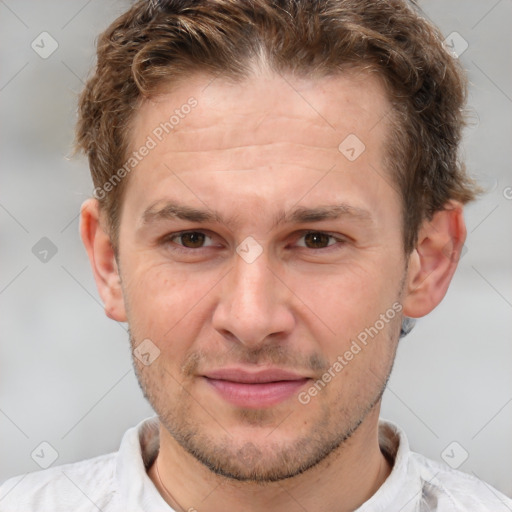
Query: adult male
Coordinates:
[276,188]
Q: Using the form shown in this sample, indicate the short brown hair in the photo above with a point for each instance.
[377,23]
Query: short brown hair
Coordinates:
[158,42]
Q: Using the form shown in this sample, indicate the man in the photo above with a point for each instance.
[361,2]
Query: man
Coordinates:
[277,193]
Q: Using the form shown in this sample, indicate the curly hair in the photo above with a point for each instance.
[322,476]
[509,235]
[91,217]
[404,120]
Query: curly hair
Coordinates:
[162,41]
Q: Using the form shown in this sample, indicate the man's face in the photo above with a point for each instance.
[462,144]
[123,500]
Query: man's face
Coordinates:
[297,252]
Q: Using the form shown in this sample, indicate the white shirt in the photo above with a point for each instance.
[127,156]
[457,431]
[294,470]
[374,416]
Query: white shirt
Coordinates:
[118,482]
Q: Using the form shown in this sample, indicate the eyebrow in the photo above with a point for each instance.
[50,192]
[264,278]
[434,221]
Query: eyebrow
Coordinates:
[320,213]
[174,210]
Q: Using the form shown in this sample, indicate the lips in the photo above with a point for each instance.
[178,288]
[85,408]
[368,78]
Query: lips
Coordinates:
[261,389]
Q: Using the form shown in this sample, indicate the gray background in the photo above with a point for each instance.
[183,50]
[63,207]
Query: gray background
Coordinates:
[65,368]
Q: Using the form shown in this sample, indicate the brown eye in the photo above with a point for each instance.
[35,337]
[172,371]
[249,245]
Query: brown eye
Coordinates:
[192,239]
[316,240]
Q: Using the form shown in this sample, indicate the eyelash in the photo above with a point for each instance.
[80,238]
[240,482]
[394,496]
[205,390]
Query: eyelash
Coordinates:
[168,239]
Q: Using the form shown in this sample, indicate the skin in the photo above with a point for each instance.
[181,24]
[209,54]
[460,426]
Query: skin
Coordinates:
[250,151]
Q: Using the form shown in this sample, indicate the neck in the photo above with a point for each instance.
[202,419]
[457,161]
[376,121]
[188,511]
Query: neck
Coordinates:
[354,472]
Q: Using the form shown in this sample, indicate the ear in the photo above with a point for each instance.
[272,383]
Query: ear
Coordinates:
[101,255]
[434,260]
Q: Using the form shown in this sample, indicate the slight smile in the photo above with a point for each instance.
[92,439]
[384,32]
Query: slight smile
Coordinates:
[255,389]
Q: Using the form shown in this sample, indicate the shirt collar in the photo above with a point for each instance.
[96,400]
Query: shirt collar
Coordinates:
[138,450]
[403,483]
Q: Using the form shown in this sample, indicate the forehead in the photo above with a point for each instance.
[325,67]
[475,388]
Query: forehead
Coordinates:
[296,128]
[263,109]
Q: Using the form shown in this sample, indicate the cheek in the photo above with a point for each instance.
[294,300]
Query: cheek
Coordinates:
[347,299]
[163,302]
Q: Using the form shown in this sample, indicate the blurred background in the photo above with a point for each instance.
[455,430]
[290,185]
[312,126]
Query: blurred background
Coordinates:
[65,369]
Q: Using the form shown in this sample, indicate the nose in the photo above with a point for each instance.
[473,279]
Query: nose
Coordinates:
[254,304]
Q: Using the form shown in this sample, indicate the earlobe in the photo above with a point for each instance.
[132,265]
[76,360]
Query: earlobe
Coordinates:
[434,260]
[101,256]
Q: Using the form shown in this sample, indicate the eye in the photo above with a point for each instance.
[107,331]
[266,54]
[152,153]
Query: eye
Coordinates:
[191,239]
[317,240]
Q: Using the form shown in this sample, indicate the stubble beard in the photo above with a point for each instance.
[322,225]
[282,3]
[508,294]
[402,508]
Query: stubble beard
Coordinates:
[246,461]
